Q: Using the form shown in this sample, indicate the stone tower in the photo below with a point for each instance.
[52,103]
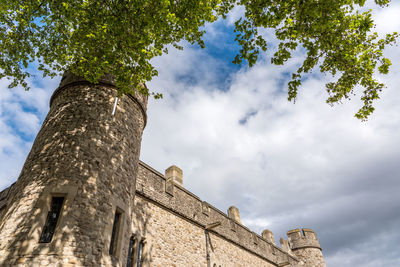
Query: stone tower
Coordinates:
[304,244]
[78,182]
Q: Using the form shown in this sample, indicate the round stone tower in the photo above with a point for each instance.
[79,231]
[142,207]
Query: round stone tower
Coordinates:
[304,244]
[71,204]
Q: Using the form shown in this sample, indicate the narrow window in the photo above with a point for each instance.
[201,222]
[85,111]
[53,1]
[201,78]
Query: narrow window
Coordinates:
[114,233]
[140,254]
[51,220]
[129,262]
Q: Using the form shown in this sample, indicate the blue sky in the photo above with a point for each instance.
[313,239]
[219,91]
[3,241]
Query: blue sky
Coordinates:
[240,142]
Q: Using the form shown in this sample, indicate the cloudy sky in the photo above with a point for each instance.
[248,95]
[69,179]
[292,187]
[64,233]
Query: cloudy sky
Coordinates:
[240,142]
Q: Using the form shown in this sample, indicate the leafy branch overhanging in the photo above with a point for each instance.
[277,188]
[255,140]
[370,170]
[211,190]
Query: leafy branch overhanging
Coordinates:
[120,37]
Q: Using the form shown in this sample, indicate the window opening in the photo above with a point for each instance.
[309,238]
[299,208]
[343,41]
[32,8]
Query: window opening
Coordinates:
[129,262]
[51,220]
[114,233]
[140,254]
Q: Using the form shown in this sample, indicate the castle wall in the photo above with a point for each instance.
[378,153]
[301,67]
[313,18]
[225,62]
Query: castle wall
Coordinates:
[173,220]
[174,241]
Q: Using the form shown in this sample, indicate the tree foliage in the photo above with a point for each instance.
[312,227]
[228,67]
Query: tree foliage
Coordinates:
[120,37]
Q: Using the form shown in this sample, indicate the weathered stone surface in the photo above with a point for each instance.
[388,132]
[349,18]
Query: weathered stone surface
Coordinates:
[174,174]
[174,241]
[234,214]
[268,235]
[83,149]
[186,207]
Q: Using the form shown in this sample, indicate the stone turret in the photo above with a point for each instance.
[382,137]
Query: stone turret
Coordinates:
[78,183]
[304,244]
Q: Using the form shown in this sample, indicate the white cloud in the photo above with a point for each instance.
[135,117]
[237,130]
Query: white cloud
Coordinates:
[21,114]
[387,19]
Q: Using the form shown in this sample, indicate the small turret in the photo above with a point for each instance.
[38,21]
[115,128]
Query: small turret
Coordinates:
[304,244]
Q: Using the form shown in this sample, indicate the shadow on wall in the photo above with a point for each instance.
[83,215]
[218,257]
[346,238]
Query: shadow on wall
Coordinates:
[67,244]
[142,248]
[89,158]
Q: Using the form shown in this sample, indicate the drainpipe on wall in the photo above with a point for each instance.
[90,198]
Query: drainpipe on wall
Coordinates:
[206,233]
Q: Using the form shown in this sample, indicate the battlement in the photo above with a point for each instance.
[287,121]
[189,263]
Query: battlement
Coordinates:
[268,235]
[234,214]
[305,238]
[174,174]
[155,187]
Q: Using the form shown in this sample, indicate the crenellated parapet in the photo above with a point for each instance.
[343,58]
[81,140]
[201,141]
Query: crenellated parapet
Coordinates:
[305,245]
[305,238]
[156,187]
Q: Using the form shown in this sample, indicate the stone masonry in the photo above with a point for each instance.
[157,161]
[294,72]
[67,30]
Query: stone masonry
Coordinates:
[84,153]
[90,157]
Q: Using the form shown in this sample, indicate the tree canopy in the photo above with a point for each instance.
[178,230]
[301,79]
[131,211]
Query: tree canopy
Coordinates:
[120,37]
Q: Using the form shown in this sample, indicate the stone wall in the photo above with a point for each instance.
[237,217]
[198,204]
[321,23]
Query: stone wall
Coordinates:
[4,195]
[310,257]
[171,213]
[174,241]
